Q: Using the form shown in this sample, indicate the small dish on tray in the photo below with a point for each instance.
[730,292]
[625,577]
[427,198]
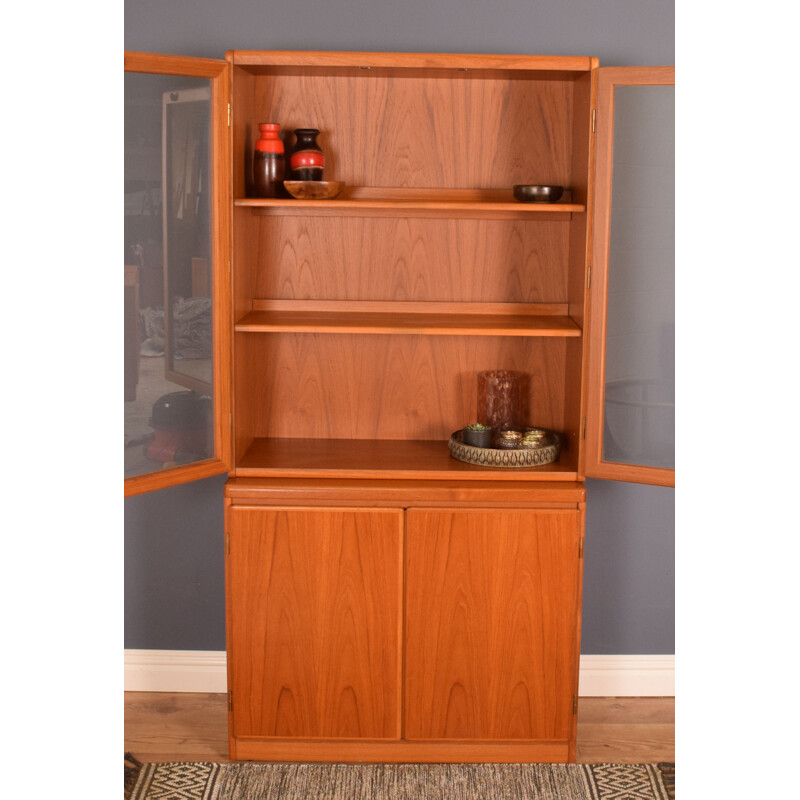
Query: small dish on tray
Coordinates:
[535,193]
[314,190]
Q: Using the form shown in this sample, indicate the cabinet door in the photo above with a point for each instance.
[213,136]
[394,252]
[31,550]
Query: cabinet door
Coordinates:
[492,623]
[177,245]
[631,385]
[314,622]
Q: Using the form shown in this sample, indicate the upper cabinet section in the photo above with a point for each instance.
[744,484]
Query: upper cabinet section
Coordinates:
[361,322]
[177,300]
[631,430]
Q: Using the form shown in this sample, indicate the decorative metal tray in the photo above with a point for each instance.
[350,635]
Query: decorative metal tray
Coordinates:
[545,452]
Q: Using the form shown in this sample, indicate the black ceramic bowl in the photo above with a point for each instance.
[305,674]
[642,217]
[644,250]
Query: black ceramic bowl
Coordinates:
[529,193]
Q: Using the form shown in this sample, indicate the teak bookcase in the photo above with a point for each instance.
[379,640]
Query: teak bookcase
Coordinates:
[385,601]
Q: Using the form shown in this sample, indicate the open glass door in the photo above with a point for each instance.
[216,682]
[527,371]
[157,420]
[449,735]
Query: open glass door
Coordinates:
[177,293]
[631,386]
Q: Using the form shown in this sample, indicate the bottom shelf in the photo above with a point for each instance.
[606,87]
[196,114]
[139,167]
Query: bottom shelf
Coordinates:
[386,458]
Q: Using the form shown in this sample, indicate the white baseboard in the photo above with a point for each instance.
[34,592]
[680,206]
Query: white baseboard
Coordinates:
[627,676]
[176,671]
[205,671]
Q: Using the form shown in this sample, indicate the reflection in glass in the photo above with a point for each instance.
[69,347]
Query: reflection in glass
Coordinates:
[168,310]
[640,345]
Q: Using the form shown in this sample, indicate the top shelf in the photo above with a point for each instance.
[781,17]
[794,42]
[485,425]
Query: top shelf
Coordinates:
[447,65]
[372,201]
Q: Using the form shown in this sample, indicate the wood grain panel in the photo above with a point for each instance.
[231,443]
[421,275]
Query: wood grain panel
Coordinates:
[411,259]
[315,613]
[393,130]
[491,624]
[353,386]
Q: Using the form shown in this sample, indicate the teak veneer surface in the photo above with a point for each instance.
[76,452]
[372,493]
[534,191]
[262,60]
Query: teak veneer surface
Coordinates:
[485,592]
[404,260]
[314,605]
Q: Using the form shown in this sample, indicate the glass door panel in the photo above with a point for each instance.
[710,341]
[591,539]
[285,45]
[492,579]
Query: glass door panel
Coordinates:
[631,424]
[176,375]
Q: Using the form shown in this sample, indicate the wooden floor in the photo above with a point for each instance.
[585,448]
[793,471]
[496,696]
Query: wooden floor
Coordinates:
[161,726]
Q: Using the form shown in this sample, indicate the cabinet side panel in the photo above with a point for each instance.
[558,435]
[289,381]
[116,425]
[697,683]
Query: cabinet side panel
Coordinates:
[491,624]
[315,612]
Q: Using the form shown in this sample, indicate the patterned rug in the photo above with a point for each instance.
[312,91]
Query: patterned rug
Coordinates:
[250,781]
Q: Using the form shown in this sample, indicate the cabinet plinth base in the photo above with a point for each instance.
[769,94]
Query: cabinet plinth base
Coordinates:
[398,752]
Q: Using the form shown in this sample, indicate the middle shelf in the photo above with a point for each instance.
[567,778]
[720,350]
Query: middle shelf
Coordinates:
[459,319]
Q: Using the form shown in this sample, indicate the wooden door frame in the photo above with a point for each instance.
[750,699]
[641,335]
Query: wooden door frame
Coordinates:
[608,79]
[218,73]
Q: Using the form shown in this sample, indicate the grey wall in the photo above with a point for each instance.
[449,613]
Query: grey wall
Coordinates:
[174,579]
[618,32]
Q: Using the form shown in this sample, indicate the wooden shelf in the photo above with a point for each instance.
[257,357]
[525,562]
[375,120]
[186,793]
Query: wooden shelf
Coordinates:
[377,201]
[387,322]
[452,66]
[369,458]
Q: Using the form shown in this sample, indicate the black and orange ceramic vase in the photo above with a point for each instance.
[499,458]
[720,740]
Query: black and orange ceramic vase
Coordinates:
[269,162]
[307,161]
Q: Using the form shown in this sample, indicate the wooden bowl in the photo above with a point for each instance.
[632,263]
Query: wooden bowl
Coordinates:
[529,193]
[313,190]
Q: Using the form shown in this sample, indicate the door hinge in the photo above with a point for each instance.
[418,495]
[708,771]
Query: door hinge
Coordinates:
[589,276]
[230,700]
[229,116]
[583,429]
[227,542]
[594,118]
[580,548]
[574,704]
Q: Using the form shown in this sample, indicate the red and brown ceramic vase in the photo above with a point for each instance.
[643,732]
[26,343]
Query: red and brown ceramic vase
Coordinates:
[269,162]
[307,161]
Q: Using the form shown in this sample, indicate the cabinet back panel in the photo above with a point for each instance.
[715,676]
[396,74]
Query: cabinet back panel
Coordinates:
[399,259]
[396,130]
[349,386]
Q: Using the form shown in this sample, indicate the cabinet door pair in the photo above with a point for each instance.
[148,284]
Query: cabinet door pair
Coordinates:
[429,624]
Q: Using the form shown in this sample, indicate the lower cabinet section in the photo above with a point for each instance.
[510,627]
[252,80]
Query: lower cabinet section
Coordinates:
[391,634]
